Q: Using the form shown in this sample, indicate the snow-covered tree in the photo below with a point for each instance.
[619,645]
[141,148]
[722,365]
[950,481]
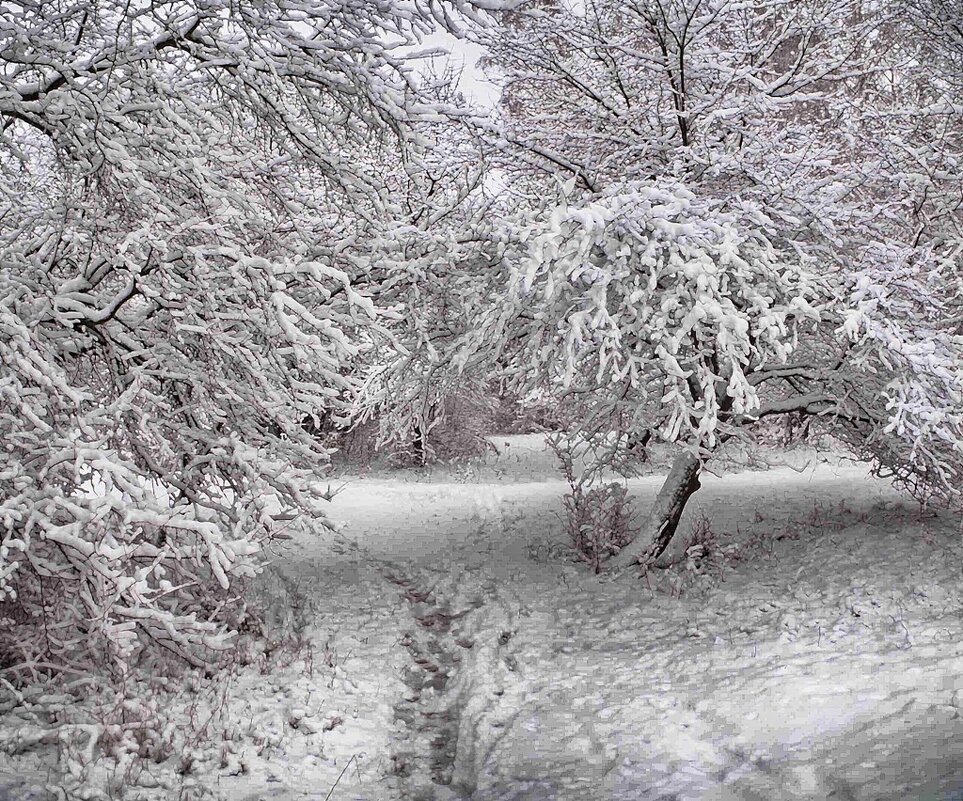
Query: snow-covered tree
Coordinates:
[432,269]
[183,189]
[763,218]
[940,31]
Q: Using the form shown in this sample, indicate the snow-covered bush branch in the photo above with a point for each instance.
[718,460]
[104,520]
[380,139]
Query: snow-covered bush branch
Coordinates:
[181,193]
[908,353]
[650,293]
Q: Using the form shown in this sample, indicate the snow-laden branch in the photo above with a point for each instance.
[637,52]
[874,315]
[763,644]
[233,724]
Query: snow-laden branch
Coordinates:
[184,224]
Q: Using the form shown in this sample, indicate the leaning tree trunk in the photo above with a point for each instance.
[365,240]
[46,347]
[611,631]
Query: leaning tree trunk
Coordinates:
[663,520]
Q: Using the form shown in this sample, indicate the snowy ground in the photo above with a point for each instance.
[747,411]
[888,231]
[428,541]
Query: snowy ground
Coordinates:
[458,655]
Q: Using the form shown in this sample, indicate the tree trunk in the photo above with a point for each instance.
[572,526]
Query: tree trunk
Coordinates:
[638,444]
[419,446]
[663,520]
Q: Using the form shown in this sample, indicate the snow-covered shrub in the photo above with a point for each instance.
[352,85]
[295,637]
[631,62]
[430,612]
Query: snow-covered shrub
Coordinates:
[356,447]
[422,423]
[703,550]
[460,426]
[597,517]
[785,431]
[515,414]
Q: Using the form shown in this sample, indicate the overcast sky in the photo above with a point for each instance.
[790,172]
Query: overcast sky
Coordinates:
[464,56]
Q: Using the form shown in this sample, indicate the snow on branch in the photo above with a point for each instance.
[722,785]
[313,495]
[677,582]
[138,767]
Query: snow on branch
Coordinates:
[653,289]
[184,197]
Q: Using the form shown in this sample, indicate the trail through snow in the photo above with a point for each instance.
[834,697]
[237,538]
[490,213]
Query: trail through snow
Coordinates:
[828,664]
[461,656]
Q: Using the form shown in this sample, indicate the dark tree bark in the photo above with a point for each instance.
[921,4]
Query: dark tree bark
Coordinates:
[663,519]
[419,446]
[638,444]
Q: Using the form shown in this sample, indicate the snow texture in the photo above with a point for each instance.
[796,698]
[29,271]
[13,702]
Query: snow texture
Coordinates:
[460,656]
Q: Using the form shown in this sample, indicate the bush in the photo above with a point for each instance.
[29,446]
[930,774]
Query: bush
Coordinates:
[597,518]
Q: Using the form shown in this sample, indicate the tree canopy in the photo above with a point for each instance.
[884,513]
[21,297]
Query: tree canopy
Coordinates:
[762,217]
[184,187]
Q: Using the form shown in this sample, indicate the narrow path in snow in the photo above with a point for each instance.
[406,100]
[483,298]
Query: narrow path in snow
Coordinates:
[827,664]
[428,715]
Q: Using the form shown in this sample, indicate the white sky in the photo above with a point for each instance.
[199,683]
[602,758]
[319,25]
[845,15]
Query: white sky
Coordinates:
[463,56]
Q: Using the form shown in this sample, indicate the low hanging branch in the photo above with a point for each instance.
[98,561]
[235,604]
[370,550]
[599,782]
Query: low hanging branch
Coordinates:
[182,214]
[689,315]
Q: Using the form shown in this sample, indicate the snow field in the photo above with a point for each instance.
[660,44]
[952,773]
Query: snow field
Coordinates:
[457,654]
[842,628]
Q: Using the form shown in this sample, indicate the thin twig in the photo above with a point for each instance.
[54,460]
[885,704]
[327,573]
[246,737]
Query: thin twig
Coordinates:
[333,786]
